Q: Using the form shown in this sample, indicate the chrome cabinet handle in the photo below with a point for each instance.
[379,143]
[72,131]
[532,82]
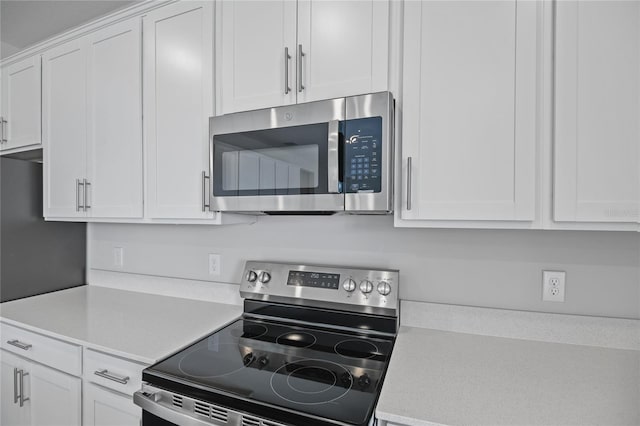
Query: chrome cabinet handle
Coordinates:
[409,183]
[333,165]
[300,56]
[4,130]
[78,183]
[18,344]
[205,206]
[86,184]
[21,373]
[15,385]
[287,57]
[110,376]
[1,130]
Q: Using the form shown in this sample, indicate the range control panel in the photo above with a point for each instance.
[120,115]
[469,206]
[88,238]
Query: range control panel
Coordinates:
[360,290]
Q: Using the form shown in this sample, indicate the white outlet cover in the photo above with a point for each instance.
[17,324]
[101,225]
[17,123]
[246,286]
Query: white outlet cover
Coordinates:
[214,264]
[118,257]
[553,283]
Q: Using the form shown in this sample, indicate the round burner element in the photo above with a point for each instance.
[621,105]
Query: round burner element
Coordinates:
[298,339]
[218,359]
[356,348]
[311,382]
[249,330]
[319,379]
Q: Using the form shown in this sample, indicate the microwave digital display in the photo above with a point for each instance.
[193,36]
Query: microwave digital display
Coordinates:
[363,155]
[314,279]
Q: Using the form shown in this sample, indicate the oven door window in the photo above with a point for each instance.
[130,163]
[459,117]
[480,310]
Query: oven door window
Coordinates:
[282,161]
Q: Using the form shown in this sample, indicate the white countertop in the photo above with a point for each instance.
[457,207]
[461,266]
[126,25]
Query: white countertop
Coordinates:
[139,326]
[450,378]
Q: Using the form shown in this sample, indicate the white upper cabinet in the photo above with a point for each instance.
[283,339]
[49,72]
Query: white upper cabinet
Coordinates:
[597,111]
[469,111]
[92,118]
[178,99]
[64,119]
[272,53]
[114,151]
[256,47]
[344,46]
[21,104]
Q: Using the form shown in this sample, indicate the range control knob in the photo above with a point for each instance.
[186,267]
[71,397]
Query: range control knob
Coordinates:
[349,285]
[265,277]
[263,361]
[366,286]
[364,381]
[252,276]
[384,288]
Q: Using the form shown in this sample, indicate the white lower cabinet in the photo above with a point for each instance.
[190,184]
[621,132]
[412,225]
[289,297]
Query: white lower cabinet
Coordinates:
[34,394]
[102,407]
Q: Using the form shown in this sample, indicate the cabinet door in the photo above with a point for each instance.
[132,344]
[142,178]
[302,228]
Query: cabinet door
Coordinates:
[251,40]
[345,46]
[22,105]
[55,397]
[597,110]
[64,120]
[11,414]
[178,65]
[114,150]
[469,110]
[102,407]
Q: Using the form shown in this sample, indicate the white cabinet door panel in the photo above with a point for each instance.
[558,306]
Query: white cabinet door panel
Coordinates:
[54,397]
[469,110]
[114,157]
[105,408]
[252,37]
[597,111]
[22,103]
[64,128]
[345,46]
[178,65]
[11,414]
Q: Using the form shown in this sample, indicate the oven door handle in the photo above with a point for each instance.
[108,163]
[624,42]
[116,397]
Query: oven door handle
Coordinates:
[147,403]
[333,158]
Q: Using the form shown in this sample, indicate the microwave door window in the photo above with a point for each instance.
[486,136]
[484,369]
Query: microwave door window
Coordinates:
[286,161]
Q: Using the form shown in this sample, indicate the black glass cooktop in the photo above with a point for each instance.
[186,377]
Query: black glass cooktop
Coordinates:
[316,372]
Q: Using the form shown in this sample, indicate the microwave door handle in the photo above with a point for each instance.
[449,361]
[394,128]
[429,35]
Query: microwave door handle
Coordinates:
[333,158]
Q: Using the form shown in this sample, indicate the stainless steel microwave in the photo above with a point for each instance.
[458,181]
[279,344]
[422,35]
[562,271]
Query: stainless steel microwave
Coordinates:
[318,157]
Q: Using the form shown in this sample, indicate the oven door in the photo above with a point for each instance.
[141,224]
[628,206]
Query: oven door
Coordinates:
[285,159]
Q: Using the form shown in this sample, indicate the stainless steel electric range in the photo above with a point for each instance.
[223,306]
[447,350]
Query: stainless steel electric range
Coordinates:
[311,348]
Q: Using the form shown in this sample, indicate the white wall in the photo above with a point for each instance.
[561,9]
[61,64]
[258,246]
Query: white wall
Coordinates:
[489,268]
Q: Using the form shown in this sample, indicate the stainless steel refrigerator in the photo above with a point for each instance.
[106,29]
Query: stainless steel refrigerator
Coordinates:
[35,256]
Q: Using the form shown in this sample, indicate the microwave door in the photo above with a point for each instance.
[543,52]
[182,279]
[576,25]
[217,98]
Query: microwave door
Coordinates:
[264,164]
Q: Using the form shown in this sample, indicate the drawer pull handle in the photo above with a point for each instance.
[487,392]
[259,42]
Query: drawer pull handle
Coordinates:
[18,344]
[110,376]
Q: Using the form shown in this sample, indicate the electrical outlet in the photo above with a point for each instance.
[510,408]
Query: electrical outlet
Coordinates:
[553,286]
[118,257]
[214,264]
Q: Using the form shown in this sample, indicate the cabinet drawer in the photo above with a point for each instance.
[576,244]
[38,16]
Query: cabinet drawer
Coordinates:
[112,372]
[52,352]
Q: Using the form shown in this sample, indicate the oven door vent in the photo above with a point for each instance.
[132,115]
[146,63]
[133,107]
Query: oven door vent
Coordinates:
[211,411]
[254,421]
[176,400]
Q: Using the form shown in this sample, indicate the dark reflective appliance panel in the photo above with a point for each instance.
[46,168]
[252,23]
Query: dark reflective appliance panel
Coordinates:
[318,372]
[283,161]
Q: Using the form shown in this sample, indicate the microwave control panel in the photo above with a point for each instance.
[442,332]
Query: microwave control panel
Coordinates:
[363,155]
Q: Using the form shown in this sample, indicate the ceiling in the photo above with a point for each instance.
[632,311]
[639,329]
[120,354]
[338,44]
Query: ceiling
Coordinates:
[26,22]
